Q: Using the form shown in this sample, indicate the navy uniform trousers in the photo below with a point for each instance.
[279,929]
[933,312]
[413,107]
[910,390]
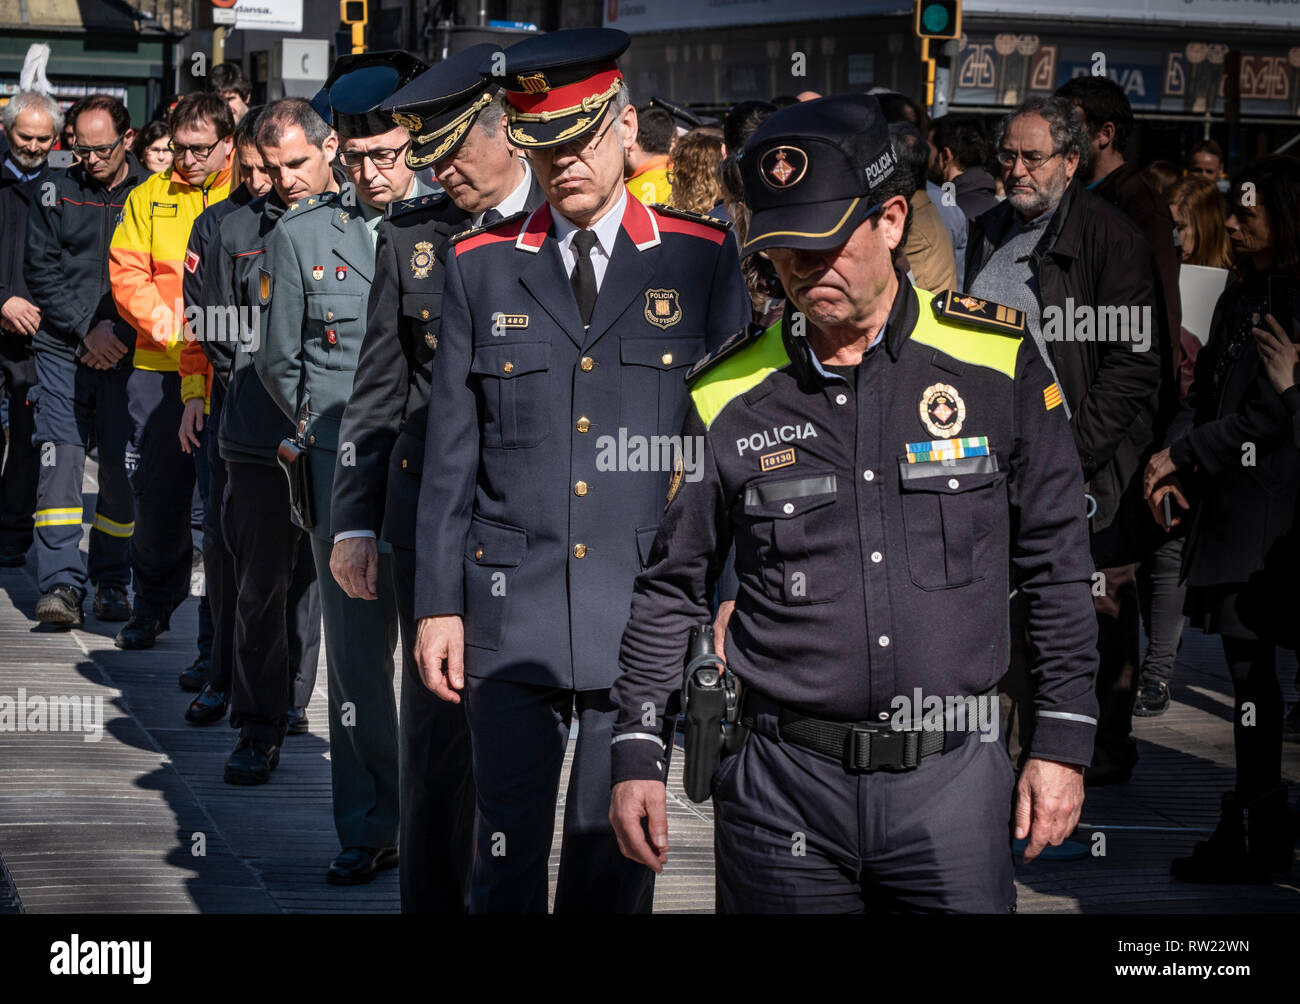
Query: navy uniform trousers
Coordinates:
[74,406]
[520,735]
[436,829]
[795,832]
[162,485]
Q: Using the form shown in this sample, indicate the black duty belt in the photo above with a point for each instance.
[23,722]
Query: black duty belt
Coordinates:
[859,746]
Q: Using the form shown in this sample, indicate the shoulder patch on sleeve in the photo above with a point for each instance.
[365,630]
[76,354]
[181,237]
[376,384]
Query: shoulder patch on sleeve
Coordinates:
[475,231]
[686,214]
[1051,396]
[962,308]
[419,202]
[191,261]
[745,336]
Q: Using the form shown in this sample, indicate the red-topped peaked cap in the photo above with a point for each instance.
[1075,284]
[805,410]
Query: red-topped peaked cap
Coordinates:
[558,85]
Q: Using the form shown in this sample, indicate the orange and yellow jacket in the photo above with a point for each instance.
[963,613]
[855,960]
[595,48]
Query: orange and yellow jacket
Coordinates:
[145,264]
[650,182]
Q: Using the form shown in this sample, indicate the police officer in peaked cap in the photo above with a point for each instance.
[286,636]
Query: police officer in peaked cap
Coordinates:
[889,464]
[320,260]
[565,332]
[454,118]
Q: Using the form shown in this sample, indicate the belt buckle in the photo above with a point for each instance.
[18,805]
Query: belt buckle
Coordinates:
[870,748]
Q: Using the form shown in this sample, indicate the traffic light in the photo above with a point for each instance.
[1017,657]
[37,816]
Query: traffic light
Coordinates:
[938,18]
[354,13]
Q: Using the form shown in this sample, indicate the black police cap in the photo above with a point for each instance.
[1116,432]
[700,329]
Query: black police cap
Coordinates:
[361,82]
[558,85]
[438,107]
[810,170]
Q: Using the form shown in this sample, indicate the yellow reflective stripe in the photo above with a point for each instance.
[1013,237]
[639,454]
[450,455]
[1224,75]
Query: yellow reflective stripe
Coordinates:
[112,528]
[980,348]
[57,517]
[732,377]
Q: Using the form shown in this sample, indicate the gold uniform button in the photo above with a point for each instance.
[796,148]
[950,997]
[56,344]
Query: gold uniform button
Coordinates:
[424,314]
[580,489]
[329,315]
[509,367]
[579,550]
[586,362]
[311,439]
[584,424]
[478,555]
[667,358]
[403,463]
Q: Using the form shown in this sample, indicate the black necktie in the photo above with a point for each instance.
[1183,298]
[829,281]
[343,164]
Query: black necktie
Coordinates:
[583,278]
[490,217]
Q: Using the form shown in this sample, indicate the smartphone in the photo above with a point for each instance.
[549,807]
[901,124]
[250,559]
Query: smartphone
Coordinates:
[1284,304]
[62,158]
[1167,504]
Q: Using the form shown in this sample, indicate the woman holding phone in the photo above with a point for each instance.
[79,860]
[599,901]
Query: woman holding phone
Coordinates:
[1232,460]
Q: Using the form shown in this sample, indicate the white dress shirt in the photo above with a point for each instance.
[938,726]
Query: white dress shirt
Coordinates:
[606,230]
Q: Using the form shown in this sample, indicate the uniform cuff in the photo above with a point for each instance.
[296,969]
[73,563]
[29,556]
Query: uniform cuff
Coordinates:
[194,385]
[1067,739]
[1181,453]
[638,756]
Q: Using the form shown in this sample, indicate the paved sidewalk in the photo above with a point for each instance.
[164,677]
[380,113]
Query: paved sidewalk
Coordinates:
[115,825]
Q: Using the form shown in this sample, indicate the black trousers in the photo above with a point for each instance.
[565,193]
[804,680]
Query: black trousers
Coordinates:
[520,732]
[218,562]
[275,585]
[794,832]
[162,486]
[436,832]
[20,472]
[1256,735]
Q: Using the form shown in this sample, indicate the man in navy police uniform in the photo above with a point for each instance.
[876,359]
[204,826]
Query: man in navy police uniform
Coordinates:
[881,457]
[566,333]
[454,117]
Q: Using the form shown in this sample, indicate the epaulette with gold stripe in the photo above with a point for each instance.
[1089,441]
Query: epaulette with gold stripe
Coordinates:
[474,231]
[686,214]
[962,308]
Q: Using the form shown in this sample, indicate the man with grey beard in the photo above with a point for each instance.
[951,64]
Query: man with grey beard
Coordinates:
[32,123]
[1054,244]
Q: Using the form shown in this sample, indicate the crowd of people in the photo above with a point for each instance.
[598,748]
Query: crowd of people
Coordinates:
[278,329]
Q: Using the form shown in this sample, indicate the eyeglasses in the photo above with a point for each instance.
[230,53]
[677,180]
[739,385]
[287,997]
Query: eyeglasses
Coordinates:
[157,151]
[1032,160]
[200,152]
[381,158]
[102,152]
[578,147]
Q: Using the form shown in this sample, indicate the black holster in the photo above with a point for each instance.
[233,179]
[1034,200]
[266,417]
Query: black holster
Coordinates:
[711,707]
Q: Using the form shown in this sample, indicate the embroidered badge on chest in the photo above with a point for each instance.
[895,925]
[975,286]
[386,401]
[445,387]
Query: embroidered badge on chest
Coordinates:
[341,273]
[421,260]
[662,307]
[942,410]
[318,272]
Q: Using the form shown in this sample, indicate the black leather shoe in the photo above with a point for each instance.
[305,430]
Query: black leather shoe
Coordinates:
[61,605]
[1152,699]
[251,762]
[359,865]
[140,632]
[1223,859]
[195,675]
[297,722]
[209,707]
[10,558]
[111,604]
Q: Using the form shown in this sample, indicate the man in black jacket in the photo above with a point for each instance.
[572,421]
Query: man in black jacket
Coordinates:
[454,118]
[83,356]
[277,607]
[32,123]
[961,149]
[1076,265]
